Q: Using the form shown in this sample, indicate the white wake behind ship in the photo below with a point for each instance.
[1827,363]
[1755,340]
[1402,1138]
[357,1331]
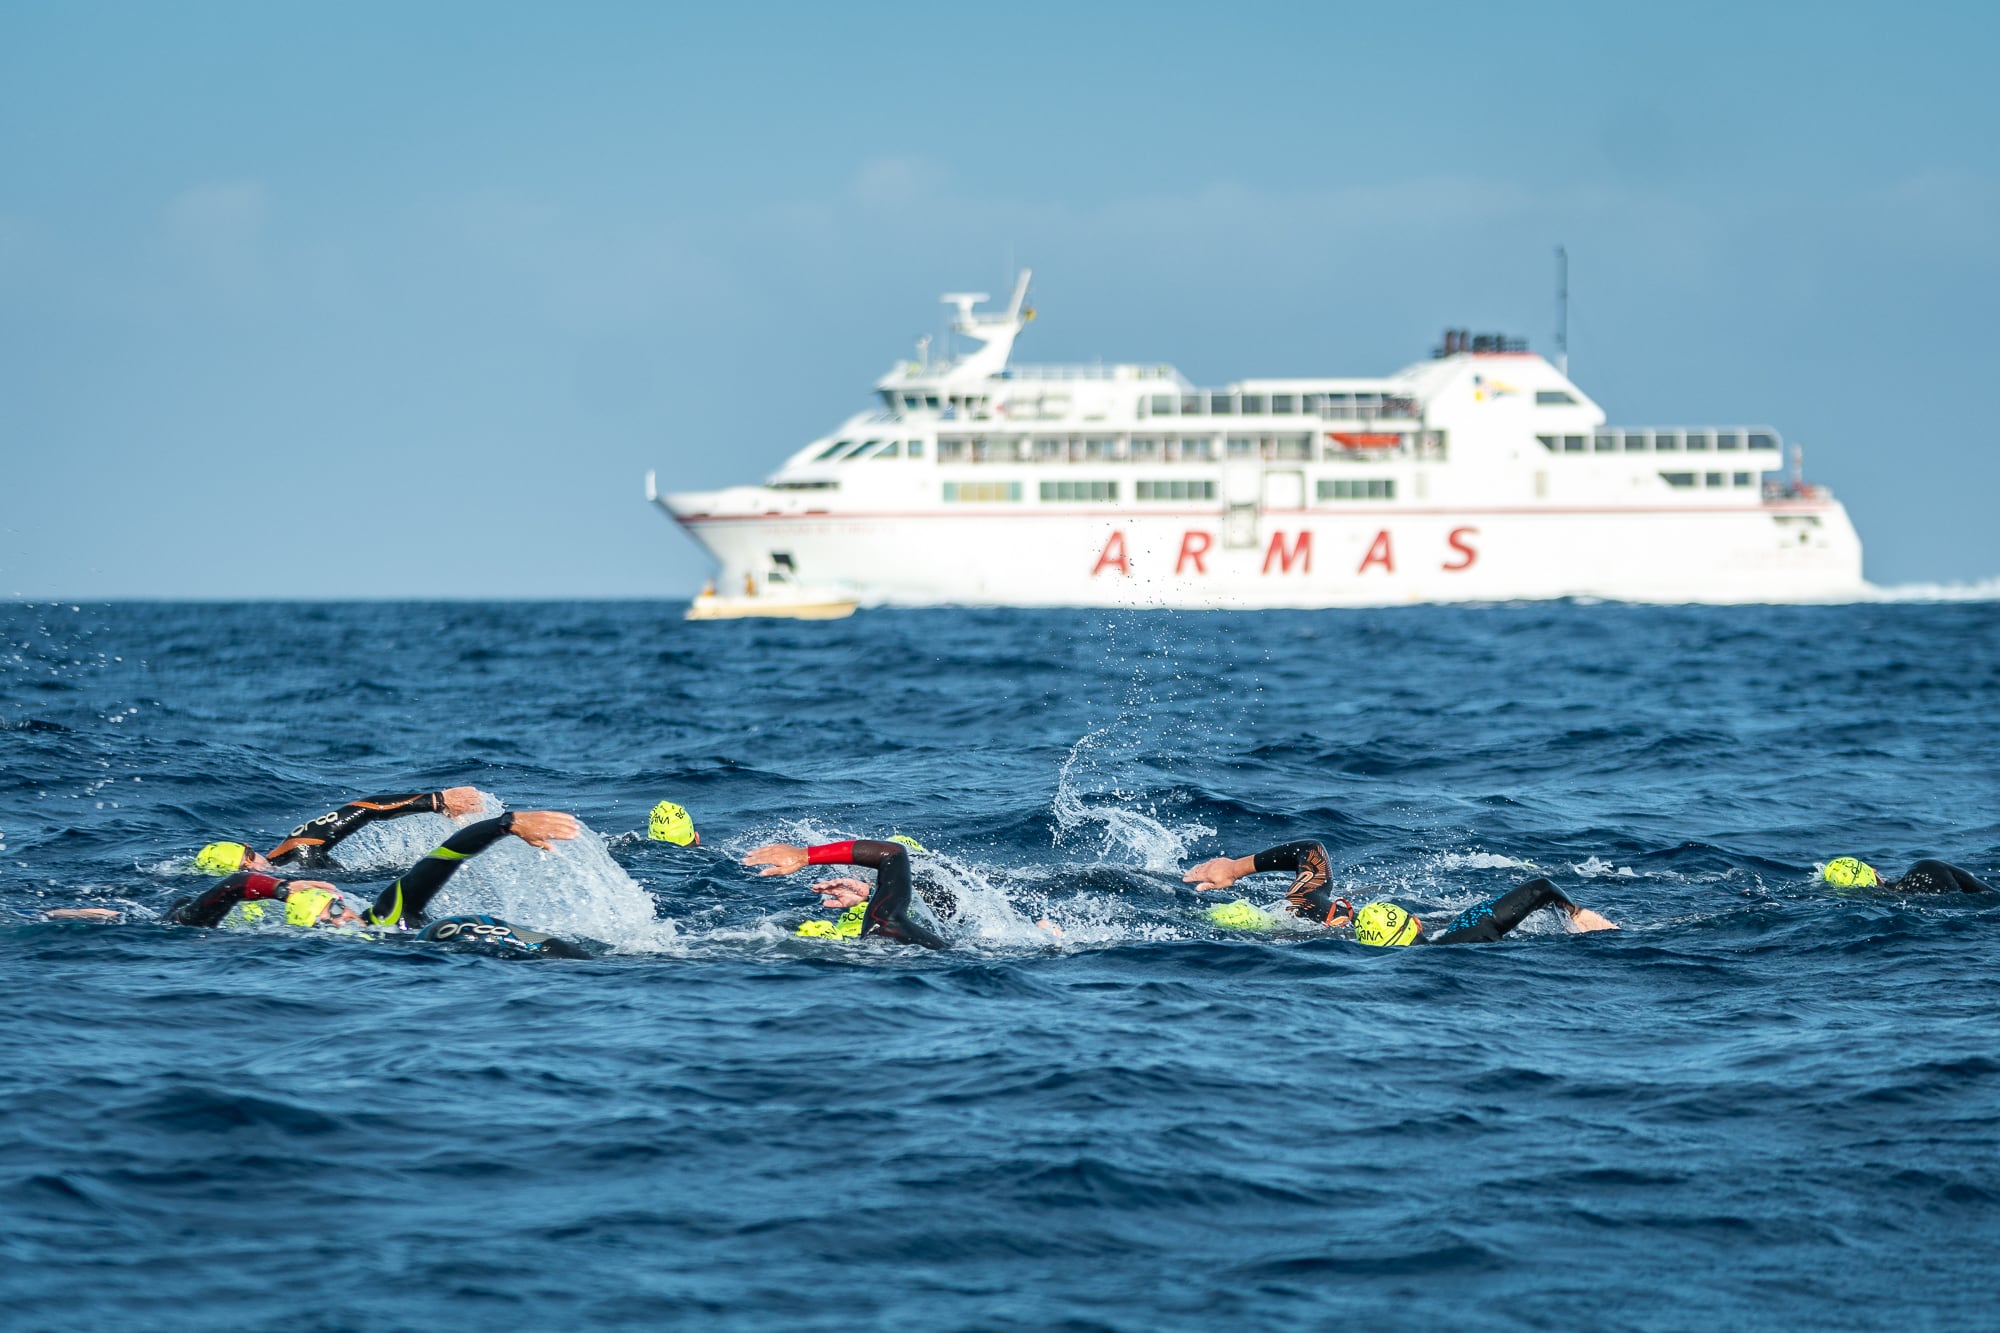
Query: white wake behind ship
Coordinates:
[1480,474]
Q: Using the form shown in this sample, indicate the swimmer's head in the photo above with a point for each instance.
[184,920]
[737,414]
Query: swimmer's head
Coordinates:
[1385,924]
[910,843]
[1239,915]
[305,907]
[670,823]
[222,858]
[1848,872]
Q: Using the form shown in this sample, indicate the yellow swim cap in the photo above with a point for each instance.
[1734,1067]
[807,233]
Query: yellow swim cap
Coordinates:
[1847,872]
[670,823]
[1240,915]
[1385,924]
[221,858]
[847,928]
[910,843]
[305,906]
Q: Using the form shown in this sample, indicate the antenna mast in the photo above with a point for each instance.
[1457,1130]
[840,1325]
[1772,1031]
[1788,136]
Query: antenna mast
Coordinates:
[1562,310]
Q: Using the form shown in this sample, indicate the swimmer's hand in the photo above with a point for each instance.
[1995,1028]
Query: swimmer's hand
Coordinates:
[1583,919]
[82,914]
[463,801]
[539,828]
[842,893]
[1220,873]
[778,858]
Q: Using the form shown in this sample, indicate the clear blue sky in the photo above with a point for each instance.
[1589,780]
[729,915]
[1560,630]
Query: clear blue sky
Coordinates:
[405,299]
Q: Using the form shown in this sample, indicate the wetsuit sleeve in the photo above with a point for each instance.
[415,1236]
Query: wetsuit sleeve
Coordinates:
[244,886]
[889,904]
[1311,895]
[311,841]
[1492,919]
[403,903]
[1937,877]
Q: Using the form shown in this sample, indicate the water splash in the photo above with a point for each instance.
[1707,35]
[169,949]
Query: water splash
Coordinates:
[1126,820]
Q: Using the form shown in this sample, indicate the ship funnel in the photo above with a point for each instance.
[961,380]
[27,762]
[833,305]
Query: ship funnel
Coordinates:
[996,332]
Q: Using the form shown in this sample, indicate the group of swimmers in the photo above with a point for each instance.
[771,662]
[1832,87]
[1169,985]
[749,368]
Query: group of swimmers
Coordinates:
[250,893]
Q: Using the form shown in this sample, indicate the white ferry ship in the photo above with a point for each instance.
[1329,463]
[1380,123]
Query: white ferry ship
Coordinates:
[1480,474]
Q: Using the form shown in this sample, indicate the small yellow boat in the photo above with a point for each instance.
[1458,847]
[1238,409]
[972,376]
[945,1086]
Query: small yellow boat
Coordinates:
[777,599]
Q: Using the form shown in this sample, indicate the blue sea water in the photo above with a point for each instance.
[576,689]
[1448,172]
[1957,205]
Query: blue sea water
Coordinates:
[1762,1103]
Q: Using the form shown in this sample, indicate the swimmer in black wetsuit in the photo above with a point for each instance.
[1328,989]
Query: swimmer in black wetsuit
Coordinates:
[309,903]
[1311,898]
[1926,876]
[888,905]
[311,844]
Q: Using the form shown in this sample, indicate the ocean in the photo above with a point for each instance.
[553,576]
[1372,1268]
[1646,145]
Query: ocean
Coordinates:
[1763,1103]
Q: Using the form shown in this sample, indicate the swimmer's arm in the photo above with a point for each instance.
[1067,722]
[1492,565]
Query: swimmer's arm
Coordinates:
[1220,873]
[784,858]
[316,837]
[842,893]
[242,887]
[403,902]
[107,914]
[1224,871]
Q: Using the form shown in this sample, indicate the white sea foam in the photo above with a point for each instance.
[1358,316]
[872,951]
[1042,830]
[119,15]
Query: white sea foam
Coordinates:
[1593,868]
[574,890]
[1091,797]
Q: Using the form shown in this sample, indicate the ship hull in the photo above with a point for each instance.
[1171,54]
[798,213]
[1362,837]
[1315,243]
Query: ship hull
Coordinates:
[1780,552]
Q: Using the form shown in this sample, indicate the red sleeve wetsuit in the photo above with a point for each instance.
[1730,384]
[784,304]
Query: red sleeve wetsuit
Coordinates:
[311,843]
[402,905]
[1312,897]
[889,905]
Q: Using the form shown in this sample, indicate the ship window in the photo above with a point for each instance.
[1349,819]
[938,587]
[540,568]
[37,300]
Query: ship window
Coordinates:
[1553,398]
[1678,480]
[1572,444]
[1606,444]
[1145,448]
[916,449]
[1099,450]
[950,450]
[1080,490]
[1761,441]
[859,450]
[1366,404]
[1635,442]
[1339,405]
[996,451]
[1711,479]
[1548,442]
[1729,440]
[1164,404]
[1665,441]
[1742,478]
[893,449]
[931,401]
[1283,404]
[803,485]
[1294,448]
[910,402]
[1253,404]
[981,492]
[831,450]
[1358,488]
[1313,404]
[1199,450]
[1176,490]
[1193,404]
[1697,440]
[1222,404]
[1239,447]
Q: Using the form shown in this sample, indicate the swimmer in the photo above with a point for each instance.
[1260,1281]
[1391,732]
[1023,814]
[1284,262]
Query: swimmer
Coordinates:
[884,910]
[310,903]
[1382,923]
[671,823]
[311,844]
[1926,876]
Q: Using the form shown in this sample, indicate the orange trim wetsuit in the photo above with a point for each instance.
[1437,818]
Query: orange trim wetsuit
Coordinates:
[311,843]
[1312,897]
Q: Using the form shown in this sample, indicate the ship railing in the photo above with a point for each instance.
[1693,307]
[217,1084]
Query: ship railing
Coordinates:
[1321,406]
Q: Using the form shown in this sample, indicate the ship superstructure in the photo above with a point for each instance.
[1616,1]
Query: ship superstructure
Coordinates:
[1480,474]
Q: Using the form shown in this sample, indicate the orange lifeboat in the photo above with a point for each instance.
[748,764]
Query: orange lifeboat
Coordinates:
[1370,440]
